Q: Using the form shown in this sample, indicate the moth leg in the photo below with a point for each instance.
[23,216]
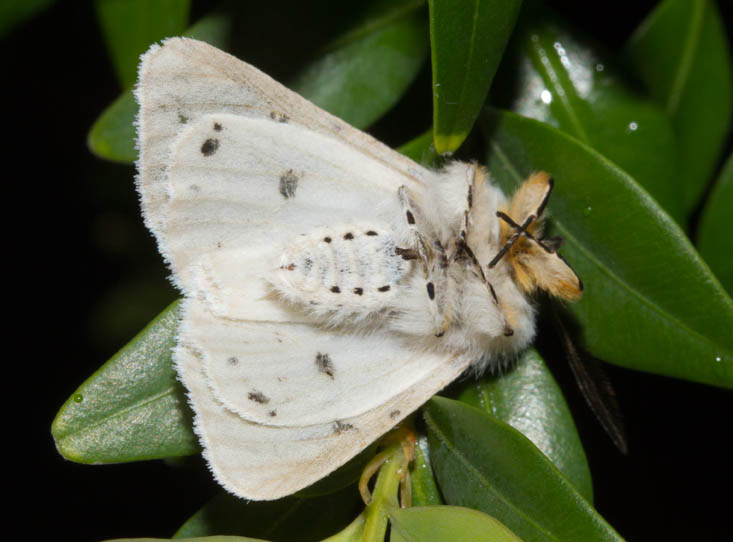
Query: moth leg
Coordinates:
[434,262]
[462,249]
[401,448]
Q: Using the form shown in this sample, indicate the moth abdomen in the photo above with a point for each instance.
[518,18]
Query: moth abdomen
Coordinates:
[346,269]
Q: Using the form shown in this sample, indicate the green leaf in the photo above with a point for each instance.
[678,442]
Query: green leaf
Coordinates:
[714,239]
[565,81]
[131,26]
[133,407]
[363,74]
[15,12]
[447,524]
[292,518]
[112,135]
[482,463]
[681,53]
[421,149]
[424,489]
[650,303]
[528,398]
[467,41]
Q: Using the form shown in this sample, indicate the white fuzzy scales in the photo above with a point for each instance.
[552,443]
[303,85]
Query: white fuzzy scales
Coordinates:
[331,285]
[353,269]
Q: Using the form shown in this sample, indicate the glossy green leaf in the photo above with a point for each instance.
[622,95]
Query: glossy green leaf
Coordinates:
[681,53]
[650,303]
[421,150]
[467,42]
[714,238]
[112,136]
[363,74]
[425,491]
[482,463]
[447,524]
[563,80]
[133,407]
[528,398]
[15,12]
[130,26]
[289,519]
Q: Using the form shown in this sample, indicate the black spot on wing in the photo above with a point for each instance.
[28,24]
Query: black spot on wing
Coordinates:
[209,147]
[431,290]
[258,397]
[279,117]
[384,288]
[341,427]
[182,119]
[325,365]
[288,184]
[335,289]
[349,236]
[359,291]
[217,127]
[394,414]
[372,233]
[410,217]
[272,413]
[232,361]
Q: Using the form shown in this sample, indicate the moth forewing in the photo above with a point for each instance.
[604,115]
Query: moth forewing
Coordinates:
[332,285]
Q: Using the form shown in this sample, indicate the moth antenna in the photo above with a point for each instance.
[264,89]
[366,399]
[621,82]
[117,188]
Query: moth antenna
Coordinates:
[513,238]
[543,204]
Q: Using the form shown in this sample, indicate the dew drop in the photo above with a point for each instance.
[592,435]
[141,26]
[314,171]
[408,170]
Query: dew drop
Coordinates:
[78,398]
[546,96]
[633,126]
[587,211]
[717,358]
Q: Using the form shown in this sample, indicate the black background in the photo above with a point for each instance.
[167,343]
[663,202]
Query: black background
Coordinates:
[74,235]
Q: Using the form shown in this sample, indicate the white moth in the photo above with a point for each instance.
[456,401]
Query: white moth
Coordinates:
[331,284]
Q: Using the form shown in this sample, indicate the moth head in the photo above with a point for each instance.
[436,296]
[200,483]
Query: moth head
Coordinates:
[535,262]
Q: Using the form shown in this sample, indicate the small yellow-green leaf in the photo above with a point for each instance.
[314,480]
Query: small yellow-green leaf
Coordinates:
[715,235]
[133,407]
[467,42]
[130,26]
[447,524]
[681,53]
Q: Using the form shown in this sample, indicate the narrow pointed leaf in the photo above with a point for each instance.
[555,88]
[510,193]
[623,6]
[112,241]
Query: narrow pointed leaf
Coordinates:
[425,491]
[714,237]
[681,53]
[363,74]
[130,27]
[288,519]
[447,524]
[650,302]
[484,464]
[133,407]
[14,12]
[528,398]
[467,42]
[566,81]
